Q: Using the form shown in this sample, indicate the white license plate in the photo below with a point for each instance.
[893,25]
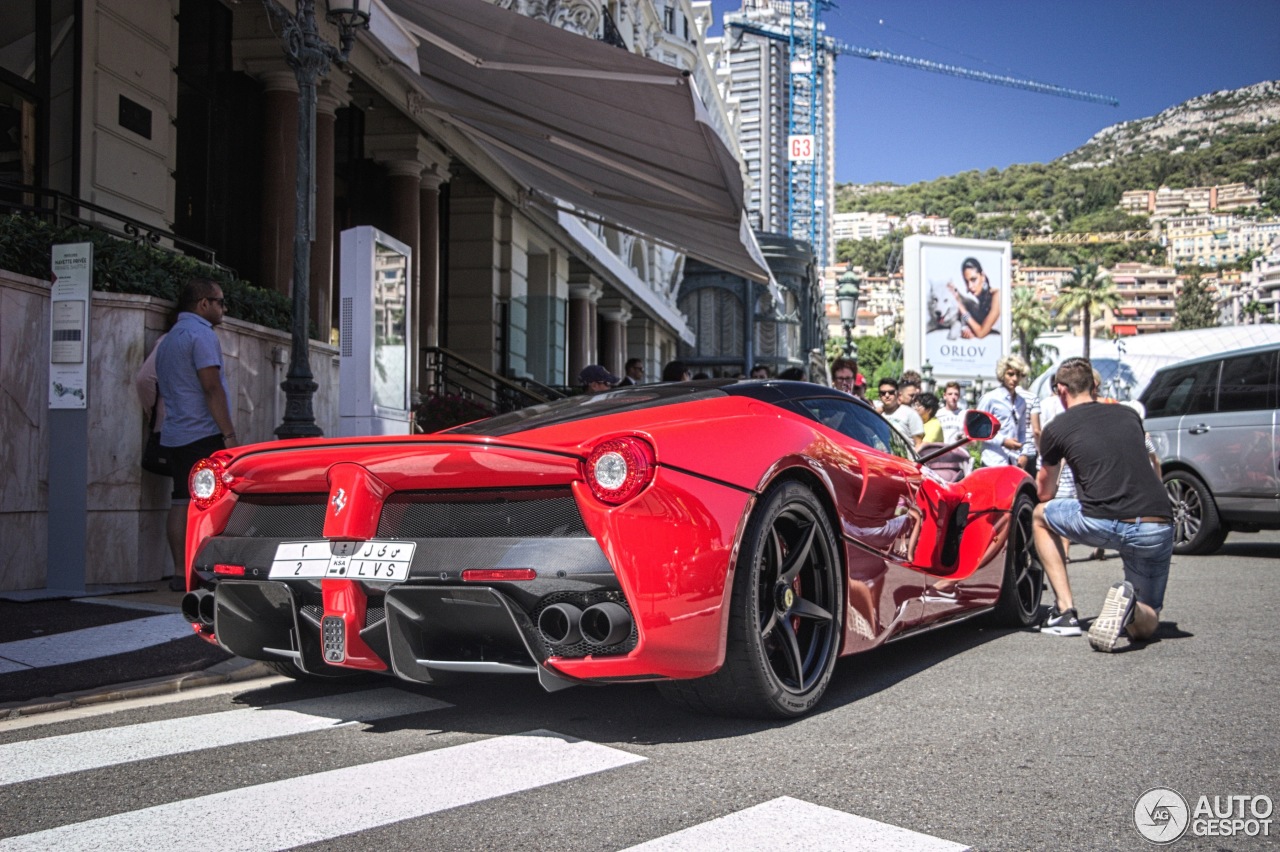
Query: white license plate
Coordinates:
[387,561]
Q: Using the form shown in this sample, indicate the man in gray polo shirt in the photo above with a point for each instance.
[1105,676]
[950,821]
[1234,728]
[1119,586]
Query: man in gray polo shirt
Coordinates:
[197,419]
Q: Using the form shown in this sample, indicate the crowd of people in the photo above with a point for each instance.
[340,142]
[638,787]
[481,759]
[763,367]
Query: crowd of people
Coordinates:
[1100,492]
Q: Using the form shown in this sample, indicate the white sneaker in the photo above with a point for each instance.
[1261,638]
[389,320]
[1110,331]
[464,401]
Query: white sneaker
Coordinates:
[1117,612]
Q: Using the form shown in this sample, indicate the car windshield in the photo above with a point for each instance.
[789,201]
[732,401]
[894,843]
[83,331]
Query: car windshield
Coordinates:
[583,406]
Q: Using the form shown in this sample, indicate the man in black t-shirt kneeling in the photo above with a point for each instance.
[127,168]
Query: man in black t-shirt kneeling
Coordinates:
[1121,505]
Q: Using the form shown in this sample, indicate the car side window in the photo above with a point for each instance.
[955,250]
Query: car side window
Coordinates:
[1184,390]
[1248,383]
[853,421]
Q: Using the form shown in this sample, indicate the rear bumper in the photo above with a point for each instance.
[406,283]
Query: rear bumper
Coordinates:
[663,559]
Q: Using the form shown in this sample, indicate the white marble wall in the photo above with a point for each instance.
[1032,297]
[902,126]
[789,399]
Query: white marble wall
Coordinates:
[126,506]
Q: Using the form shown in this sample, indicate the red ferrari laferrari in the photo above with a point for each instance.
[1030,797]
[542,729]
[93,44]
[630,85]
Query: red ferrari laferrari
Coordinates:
[729,540]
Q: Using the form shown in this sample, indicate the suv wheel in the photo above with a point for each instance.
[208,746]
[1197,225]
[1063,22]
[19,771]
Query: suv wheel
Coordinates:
[1196,525]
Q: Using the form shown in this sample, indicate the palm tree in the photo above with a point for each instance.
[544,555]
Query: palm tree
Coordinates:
[1030,320]
[1087,292]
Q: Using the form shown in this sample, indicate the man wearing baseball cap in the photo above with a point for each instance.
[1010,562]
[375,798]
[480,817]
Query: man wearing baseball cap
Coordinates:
[596,379]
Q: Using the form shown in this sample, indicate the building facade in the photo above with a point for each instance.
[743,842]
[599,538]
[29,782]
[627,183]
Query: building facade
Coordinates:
[1214,239]
[180,116]
[1147,297]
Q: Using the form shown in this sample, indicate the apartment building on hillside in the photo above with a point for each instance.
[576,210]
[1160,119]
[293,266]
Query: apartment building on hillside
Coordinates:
[1165,202]
[1214,239]
[1147,295]
[1047,280]
[865,225]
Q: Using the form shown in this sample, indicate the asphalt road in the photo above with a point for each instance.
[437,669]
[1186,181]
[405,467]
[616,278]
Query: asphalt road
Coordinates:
[984,738]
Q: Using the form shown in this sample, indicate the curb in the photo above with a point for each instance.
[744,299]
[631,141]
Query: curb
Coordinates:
[228,671]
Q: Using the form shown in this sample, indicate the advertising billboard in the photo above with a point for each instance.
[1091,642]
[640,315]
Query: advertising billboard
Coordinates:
[957,302]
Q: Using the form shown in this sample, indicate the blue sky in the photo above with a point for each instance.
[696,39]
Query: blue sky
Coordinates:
[903,125]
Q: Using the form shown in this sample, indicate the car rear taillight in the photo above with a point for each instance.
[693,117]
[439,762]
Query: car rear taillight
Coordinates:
[619,469]
[498,575]
[209,481]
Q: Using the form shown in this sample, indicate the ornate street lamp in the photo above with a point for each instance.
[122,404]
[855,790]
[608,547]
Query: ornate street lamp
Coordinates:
[309,56]
[926,377]
[847,294]
[976,390]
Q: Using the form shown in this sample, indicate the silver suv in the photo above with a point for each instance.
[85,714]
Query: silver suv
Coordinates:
[1215,424]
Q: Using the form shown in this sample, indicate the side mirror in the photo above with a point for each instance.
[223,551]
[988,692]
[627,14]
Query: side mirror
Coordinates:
[980,425]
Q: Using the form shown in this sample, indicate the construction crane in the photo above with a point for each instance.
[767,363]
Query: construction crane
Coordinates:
[844,49]
[809,52]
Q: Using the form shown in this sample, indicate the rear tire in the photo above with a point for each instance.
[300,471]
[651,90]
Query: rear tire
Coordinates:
[1019,603]
[786,616]
[1197,529]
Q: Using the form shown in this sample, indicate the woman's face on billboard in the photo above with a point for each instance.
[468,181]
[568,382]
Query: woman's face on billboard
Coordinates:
[974,279]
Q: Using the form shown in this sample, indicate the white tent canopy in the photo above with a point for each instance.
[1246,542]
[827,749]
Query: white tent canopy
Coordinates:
[584,124]
[1128,363]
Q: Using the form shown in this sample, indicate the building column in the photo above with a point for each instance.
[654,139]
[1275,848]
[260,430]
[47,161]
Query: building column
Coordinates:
[428,266]
[615,313]
[584,291]
[642,343]
[279,170]
[332,95]
[398,145]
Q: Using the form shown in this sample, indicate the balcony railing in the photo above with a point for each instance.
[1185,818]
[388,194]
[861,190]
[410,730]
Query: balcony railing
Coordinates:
[60,210]
[449,374]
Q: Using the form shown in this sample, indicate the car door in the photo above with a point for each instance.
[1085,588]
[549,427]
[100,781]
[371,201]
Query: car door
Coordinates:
[881,518]
[1234,444]
[1177,392]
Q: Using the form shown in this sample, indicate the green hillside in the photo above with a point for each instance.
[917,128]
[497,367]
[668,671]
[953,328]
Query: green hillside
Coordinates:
[1225,137]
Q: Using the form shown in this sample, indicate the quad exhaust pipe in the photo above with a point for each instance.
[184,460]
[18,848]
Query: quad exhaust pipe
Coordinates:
[606,623]
[602,624]
[197,607]
[560,623]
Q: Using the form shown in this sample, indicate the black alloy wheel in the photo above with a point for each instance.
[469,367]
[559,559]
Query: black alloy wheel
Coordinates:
[786,617]
[1019,602]
[1197,529]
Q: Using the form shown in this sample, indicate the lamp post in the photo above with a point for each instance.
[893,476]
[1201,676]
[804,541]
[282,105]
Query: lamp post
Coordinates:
[309,56]
[976,390]
[926,377]
[847,294]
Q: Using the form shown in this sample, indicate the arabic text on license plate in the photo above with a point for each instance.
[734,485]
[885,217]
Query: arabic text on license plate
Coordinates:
[367,560]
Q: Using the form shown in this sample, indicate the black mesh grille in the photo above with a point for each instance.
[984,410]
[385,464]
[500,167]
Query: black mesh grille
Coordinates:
[301,517]
[372,615]
[582,600]
[517,513]
[527,513]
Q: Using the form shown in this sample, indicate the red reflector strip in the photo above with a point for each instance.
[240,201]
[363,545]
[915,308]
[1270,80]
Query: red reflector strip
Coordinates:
[497,575]
[232,570]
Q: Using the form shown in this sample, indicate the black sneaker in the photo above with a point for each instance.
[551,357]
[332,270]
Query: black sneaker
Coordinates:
[1117,612]
[1061,623]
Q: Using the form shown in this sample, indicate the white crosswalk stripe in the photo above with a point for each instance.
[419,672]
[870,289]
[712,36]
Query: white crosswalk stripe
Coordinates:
[317,807]
[787,823]
[76,646]
[325,805]
[43,758]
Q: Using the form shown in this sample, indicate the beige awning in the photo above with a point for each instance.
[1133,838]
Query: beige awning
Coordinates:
[583,124]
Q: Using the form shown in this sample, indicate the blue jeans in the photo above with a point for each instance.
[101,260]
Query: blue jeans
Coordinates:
[1145,549]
